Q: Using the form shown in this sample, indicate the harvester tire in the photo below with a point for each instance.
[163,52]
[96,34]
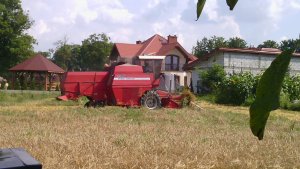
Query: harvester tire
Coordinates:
[88,104]
[151,100]
[95,104]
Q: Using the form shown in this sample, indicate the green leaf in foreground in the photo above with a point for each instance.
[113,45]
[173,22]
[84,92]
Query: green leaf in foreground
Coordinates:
[268,93]
[231,3]
[201,3]
[200,6]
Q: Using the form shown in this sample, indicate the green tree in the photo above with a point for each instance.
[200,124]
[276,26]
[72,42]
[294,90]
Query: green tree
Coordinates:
[235,88]
[15,44]
[46,54]
[236,42]
[65,57]
[207,45]
[269,44]
[290,44]
[201,48]
[75,62]
[95,51]
[212,77]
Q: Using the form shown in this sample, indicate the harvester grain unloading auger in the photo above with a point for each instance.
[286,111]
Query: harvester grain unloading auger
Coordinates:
[122,85]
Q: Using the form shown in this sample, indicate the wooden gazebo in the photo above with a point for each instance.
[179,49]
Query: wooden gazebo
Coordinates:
[37,65]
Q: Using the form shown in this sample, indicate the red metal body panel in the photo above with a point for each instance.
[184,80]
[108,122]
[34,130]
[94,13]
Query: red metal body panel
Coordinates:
[169,100]
[122,85]
[129,84]
[90,84]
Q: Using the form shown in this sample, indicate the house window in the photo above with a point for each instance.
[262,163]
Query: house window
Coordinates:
[172,63]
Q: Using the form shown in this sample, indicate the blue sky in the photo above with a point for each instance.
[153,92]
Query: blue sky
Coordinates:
[130,20]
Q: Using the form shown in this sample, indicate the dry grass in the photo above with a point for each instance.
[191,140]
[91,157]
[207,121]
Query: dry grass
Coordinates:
[66,135]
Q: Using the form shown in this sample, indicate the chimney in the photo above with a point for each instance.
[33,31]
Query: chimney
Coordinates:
[172,39]
[138,42]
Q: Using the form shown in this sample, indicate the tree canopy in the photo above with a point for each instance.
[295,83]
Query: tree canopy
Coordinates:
[207,45]
[90,55]
[269,44]
[290,44]
[15,44]
[236,42]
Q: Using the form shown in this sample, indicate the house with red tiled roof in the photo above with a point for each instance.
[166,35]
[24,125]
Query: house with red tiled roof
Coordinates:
[160,54]
[235,60]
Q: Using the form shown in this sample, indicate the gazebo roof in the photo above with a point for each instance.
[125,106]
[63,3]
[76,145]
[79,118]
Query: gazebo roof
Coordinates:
[37,63]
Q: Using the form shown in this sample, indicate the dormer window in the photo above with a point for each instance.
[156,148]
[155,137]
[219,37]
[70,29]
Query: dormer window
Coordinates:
[172,63]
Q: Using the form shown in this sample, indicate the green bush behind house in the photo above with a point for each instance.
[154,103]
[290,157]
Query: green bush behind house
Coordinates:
[235,89]
[240,88]
[212,77]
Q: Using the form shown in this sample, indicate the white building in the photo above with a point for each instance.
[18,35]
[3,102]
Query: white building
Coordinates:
[254,60]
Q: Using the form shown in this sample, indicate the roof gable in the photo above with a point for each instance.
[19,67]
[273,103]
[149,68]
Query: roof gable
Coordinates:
[128,50]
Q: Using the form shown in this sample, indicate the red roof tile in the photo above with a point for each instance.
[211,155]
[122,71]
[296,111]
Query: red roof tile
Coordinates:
[155,45]
[128,50]
[37,63]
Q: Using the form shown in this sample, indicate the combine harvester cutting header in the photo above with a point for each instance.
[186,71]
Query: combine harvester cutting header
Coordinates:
[121,85]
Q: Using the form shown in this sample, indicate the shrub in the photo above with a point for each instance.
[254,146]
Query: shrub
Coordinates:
[284,100]
[240,88]
[32,84]
[212,77]
[291,86]
[249,100]
[235,89]
[17,85]
[40,86]
[294,106]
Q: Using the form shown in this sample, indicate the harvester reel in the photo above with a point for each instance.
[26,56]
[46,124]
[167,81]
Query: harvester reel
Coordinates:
[151,100]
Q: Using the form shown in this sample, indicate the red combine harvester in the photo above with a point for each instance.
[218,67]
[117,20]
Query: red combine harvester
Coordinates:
[122,85]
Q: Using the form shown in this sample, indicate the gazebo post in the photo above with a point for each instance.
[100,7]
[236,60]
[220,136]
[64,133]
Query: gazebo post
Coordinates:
[13,80]
[46,79]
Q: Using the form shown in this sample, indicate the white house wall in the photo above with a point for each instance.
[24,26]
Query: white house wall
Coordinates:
[245,62]
[295,66]
[254,63]
[195,79]
[215,59]
[242,62]
[180,73]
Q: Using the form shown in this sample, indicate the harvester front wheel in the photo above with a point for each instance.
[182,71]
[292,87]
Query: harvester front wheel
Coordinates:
[88,104]
[93,103]
[151,100]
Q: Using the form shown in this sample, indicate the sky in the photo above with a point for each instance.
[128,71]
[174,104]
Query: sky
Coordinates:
[126,21]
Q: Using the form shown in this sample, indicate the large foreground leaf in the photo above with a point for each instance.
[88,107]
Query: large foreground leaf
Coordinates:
[200,6]
[268,92]
[201,3]
[231,3]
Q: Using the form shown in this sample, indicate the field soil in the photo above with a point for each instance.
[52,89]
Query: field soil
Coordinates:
[65,135]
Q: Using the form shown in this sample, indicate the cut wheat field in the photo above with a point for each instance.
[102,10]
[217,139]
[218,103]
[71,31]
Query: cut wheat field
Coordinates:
[65,135]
